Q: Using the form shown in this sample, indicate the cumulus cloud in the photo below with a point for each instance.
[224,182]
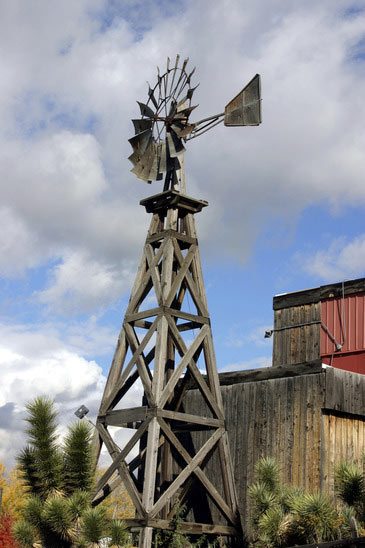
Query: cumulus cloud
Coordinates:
[81,285]
[341,260]
[33,364]
[69,104]
[70,75]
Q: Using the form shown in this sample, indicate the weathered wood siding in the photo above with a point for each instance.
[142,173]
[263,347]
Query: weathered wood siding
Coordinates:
[292,419]
[296,334]
[342,440]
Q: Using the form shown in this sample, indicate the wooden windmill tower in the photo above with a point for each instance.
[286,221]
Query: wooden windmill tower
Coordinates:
[166,340]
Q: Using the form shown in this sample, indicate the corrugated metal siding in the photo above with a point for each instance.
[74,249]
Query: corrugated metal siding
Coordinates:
[343,322]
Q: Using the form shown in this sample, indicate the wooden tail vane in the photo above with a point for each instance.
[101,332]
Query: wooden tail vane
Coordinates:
[165,343]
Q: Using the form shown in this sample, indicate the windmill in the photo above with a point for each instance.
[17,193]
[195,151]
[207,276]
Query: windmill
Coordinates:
[166,341]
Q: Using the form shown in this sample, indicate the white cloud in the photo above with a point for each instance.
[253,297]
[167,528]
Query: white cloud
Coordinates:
[19,247]
[36,362]
[72,188]
[69,78]
[80,285]
[341,260]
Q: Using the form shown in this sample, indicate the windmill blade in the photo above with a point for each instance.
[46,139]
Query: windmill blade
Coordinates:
[145,110]
[174,144]
[134,157]
[141,141]
[179,147]
[245,108]
[182,78]
[148,159]
[182,104]
[163,161]
[152,176]
[175,69]
[190,75]
[185,112]
[141,125]
[190,92]
[185,131]
[152,96]
[143,167]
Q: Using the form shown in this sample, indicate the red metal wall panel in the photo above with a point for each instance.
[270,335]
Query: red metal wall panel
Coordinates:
[343,323]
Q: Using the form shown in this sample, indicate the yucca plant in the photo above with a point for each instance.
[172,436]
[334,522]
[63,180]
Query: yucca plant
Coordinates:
[350,486]
[94,524]
[58,512]
[284,515]
[78,458]
[41,460]
[119,536]
[25,534]
[315,518]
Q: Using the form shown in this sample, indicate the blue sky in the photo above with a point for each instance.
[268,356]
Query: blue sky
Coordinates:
[286,199]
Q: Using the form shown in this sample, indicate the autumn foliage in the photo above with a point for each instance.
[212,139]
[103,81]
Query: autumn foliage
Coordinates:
[6,536]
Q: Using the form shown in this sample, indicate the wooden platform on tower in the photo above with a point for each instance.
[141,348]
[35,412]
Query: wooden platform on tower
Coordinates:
[166,345]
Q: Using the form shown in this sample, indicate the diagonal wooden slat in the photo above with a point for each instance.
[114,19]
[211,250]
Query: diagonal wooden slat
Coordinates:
[184,265]
[198,377]
[122,469]
[125,374]
[141,364]
[188,470]
[190,282]
[212,491]
[154,272]
[187,357]
[122,455]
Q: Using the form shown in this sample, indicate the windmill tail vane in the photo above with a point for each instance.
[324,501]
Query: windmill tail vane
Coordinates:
[164,125]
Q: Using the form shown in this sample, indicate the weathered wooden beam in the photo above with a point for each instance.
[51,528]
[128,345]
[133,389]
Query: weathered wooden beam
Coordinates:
[119,417]
[171,234]
[185,527]
[189,418]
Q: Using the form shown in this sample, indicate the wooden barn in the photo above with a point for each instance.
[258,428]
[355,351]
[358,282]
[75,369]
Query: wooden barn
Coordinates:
[308,409]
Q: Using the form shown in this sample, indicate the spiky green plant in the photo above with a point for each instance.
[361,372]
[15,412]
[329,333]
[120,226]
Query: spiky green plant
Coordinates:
[78,458]
[41,460]
[273,525]
[25,533]
[58,516]
[261,500]
[94,524]
[315,518]
[284,515]
[268,473]
[78,502]
[58,511]
[350,484]
[33,511]
[118,534]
